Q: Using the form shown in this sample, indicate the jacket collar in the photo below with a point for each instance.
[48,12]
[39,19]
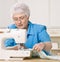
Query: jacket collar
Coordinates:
[30,28]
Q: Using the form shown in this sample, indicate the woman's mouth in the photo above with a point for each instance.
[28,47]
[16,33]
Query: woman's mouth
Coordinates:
[20,25]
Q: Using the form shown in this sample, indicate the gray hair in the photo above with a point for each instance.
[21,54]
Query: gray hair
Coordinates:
[20,8]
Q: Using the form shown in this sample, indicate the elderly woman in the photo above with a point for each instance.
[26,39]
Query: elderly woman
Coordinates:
[37,37]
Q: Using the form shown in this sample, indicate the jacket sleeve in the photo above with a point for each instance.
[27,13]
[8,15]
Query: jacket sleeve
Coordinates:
[43,36]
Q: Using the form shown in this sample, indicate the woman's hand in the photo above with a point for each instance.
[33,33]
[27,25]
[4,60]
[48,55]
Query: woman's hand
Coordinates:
[39,46]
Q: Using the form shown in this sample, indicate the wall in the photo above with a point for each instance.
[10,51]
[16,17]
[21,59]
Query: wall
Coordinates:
[5,6]
[55,13]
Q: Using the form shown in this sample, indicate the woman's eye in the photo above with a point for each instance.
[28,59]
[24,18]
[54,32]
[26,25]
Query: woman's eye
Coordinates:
[21,18]
[15,19]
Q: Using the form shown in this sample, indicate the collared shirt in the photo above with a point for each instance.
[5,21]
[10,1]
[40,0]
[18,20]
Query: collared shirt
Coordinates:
[35,34]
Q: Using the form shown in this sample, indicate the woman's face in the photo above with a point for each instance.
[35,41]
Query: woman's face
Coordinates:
[21,20]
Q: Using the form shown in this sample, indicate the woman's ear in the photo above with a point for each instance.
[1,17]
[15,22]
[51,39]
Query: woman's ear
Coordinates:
[28,18]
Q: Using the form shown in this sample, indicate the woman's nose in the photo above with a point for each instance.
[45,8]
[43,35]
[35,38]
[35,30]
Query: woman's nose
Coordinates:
[19,21]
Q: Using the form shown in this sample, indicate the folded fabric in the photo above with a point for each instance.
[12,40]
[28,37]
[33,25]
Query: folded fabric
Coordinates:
[9,42]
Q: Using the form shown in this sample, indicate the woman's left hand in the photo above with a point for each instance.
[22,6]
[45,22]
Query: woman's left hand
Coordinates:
[38,47]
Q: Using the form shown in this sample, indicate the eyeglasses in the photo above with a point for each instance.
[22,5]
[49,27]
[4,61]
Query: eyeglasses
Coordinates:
[19,18]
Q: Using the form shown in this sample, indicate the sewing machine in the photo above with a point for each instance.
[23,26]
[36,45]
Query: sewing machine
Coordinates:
[19,35]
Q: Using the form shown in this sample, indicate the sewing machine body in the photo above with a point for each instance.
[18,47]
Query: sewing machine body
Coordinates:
[20,37]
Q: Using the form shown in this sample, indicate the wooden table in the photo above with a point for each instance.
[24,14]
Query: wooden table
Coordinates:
[30,60]
[56,51]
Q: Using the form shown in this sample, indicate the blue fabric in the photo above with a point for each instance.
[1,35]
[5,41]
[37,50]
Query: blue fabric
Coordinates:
[35,34]
[10,42]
